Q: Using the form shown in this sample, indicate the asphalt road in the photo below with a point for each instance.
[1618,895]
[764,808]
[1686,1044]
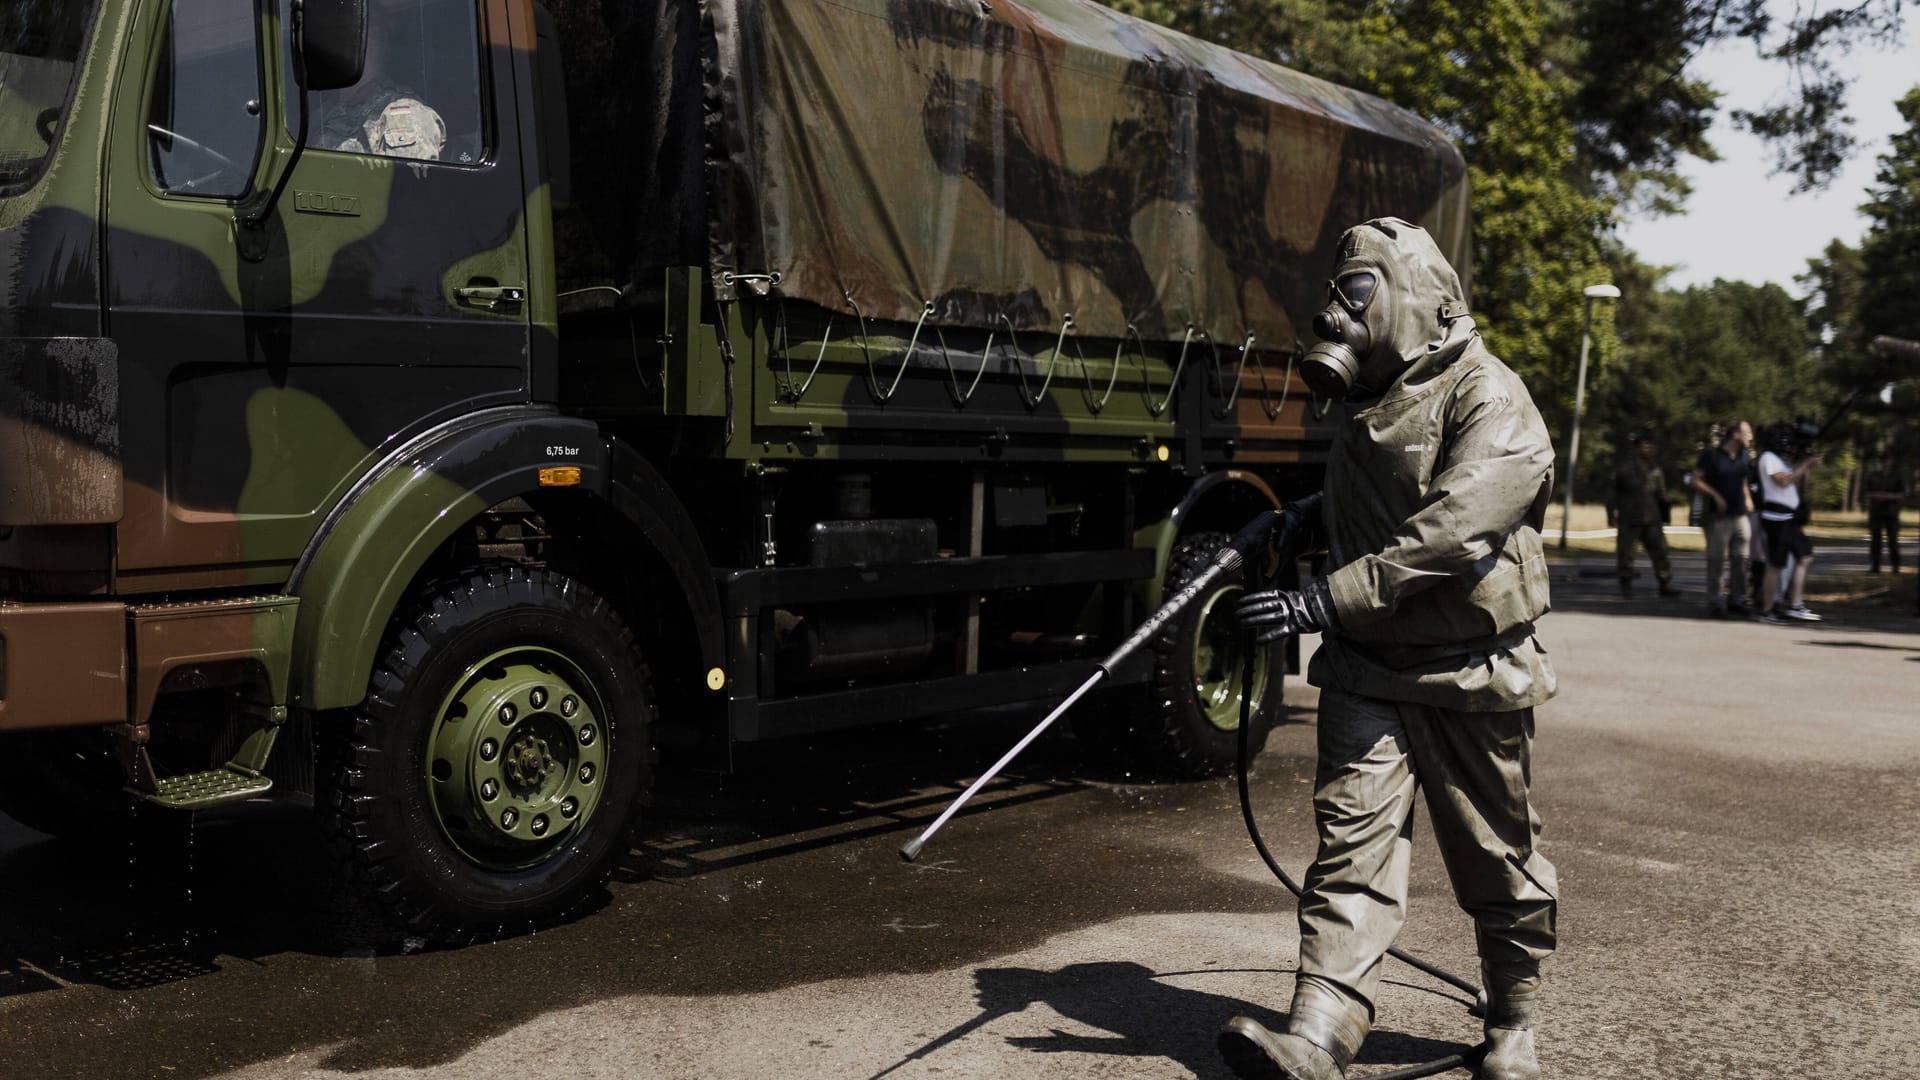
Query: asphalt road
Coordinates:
[1732,807]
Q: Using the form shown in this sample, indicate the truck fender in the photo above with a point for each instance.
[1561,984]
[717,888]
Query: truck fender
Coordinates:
[366,554]
[642,496]
[1225,500]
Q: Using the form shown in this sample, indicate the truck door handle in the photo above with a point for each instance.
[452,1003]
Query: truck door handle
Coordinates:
[491,297]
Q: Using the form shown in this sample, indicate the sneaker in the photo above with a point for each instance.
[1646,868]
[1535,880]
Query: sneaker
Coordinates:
[1799,612]
[1775,617]
[1739,608]
[1715,611]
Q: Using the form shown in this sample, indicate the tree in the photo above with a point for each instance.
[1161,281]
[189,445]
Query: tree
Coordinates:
[1697,358]
[1890,253]
[1858,293]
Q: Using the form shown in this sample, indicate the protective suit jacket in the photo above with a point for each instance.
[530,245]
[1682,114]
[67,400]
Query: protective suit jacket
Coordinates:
[1437,491]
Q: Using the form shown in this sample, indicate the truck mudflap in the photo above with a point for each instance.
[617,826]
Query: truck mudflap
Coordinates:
[62,665]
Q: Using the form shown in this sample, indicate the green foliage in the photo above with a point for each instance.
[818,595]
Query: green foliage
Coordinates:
[1694,359]
[1890,253]
[1857,293]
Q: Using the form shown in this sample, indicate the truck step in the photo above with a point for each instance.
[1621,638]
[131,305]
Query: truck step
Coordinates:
[197,791]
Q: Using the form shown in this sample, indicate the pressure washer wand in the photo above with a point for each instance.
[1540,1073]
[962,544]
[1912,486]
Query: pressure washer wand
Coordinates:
[1227,561]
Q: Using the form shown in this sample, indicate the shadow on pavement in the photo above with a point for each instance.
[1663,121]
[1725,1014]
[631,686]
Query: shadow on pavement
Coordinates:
[202,945]
[1146,1015]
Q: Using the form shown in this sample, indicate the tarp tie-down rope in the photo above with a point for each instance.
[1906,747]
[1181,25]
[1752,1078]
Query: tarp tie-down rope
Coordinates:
[1033,400]
[1286,385]
[1146,387]
[1233,395]
[796,388]
[906,358]
[1094,405]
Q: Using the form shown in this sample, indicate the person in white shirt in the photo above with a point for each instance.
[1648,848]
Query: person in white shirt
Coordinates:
[1783,511]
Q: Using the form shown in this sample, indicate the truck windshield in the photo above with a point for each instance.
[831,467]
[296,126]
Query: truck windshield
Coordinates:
[40,43]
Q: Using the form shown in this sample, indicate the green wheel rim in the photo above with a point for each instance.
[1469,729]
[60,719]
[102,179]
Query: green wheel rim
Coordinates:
[517,757]
[1219,652]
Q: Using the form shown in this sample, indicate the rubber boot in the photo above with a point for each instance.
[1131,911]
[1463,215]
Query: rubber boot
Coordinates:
[1509,1027]
[1323,1034]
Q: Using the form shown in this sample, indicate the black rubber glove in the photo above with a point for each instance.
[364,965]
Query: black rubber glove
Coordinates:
[1277,613]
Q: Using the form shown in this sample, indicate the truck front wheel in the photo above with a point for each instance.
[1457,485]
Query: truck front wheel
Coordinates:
[494,776]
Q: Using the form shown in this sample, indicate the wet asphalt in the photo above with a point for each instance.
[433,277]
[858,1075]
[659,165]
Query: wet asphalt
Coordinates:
[1732,807]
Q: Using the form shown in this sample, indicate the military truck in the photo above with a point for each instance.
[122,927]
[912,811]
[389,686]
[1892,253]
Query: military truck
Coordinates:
[447,410]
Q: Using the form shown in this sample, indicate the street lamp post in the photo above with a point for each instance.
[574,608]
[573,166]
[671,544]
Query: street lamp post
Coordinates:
[1593,292]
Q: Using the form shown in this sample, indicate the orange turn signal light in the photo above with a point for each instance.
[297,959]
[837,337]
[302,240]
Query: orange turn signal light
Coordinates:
[560,476]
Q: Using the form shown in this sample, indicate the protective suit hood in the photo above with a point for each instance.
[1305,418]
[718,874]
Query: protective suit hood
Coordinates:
[1395,301]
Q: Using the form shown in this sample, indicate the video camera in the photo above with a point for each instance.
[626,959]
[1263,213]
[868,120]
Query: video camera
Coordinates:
[1792,439]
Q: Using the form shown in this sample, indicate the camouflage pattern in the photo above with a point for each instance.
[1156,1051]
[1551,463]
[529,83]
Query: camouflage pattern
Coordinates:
[1028,160]
[387,120]
[246,381]
[345,387]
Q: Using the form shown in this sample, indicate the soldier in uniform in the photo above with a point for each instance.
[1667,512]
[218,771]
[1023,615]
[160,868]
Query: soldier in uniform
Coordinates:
[1437,484]
[1639,502]
[1885,491]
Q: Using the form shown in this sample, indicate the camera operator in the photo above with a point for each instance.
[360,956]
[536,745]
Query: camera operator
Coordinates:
[1783,514]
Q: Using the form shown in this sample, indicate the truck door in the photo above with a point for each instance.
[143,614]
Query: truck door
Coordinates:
[264,370]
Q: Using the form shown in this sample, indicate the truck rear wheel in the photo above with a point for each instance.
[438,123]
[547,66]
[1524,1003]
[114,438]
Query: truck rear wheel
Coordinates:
[494,776]
[1188,724]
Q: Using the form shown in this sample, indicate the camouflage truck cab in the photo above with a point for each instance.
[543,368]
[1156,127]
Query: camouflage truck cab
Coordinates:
[601,383]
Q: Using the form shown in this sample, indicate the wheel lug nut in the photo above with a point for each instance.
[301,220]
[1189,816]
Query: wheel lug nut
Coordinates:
[569,807]
[489,750]
[509,817]
[586,773]
[508,712]
[538,699]
[586,734]
[539,825]
[490,790]
[569,705]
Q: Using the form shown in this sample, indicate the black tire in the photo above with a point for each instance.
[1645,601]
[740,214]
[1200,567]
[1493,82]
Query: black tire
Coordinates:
[433,859]
[1172,731]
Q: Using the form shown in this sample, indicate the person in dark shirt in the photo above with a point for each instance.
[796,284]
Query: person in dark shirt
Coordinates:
[1720,474]
[1639,498]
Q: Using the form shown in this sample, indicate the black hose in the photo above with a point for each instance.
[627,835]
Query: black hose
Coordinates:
[1426,1068]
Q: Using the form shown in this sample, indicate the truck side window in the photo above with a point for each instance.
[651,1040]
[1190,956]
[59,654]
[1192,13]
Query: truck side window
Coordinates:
[419,96]
[204,126]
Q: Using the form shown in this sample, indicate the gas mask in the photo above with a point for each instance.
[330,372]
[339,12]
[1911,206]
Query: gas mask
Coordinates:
[1334,364]
[1394,300]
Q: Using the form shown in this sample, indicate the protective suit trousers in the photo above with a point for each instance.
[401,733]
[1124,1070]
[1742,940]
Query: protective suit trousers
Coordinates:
[1650,536]
[1887,526]
[1475,768]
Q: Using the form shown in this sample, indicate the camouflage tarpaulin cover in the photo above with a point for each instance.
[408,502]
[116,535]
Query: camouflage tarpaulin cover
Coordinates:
[1043,158]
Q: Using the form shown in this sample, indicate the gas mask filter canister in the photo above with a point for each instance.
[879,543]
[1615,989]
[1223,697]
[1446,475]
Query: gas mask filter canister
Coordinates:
[1332,365]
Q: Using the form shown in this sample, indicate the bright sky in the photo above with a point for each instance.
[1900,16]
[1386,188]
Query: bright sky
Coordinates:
[1744,224]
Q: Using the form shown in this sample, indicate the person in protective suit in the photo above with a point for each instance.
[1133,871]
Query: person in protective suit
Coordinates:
[1429,667]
